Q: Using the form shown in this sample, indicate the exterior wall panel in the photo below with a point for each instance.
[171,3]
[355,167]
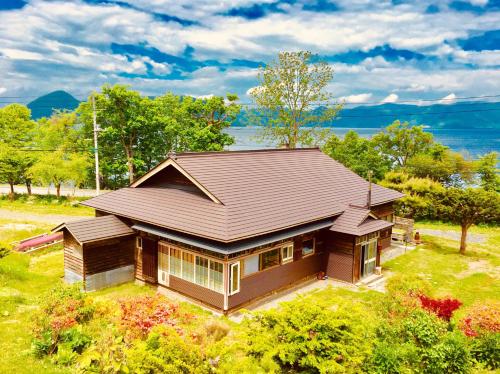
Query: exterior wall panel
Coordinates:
[266,281]
[108,254]
[340,266]
[195,291]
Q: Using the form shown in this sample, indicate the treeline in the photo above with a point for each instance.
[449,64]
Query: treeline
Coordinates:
[136,133]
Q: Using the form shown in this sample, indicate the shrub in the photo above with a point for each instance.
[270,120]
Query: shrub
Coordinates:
[450,355]
[106,355]
[486,350]
[386,359]
[4,251]
[306,336]
[443,308]
[482,317]
[63,308]
[166,351]
[140,314]
[423,328]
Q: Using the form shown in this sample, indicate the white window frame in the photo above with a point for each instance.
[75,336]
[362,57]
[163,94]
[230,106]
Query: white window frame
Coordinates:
[288,258]
[231,290]
[138,242]
[182,251]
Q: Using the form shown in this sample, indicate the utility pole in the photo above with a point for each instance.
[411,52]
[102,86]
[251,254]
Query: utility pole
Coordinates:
[96,153]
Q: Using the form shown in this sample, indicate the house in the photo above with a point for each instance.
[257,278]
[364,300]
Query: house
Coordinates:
[227,228]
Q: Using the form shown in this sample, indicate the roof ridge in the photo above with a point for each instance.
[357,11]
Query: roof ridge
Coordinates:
[242,151]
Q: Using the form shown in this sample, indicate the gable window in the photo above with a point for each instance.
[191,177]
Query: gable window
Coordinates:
[287,254]
[307,247]
[269,259]
[234,278]
[138,242]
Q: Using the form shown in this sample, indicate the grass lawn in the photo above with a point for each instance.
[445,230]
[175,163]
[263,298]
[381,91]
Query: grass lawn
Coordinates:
[46,204]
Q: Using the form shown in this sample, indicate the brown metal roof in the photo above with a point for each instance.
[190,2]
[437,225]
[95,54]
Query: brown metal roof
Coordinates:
[97,228]
[259,192]
[357,221]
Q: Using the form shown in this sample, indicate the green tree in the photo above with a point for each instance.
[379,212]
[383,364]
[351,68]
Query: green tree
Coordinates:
[138,132]
[358,154]
[402,141]
[288,90]
[467,207]
[16,132]
[488,172]
[441,164]
[64,159]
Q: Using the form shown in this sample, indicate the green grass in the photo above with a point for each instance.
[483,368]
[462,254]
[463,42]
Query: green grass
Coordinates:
[46,204]
[15,230]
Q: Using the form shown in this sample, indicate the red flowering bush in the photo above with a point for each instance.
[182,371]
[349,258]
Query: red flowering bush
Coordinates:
[63,308]
[443,308]
[482,318]
[140,314]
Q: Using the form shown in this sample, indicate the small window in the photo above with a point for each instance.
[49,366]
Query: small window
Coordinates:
[287,254]
[251,265]
[138,242]
[269,259]
[307,247]
[234,281]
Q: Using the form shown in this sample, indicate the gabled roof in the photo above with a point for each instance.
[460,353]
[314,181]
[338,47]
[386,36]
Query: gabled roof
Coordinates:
[358,221]
[259,192]
[96,228]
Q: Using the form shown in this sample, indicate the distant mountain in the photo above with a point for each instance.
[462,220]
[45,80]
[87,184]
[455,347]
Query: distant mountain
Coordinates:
[45,105]
[458,116]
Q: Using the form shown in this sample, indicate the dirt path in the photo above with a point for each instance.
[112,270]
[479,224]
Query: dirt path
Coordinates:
[453,235]
[54,219]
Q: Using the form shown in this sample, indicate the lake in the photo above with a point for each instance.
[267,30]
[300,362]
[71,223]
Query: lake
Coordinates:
[473,141]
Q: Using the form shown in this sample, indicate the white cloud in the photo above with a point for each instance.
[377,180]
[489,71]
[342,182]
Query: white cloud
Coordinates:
[448,99]
[391,98]
[2,90]
[356,99]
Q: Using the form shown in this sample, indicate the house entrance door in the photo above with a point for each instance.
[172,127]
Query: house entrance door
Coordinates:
[368,257]
[163,277]
[149,260]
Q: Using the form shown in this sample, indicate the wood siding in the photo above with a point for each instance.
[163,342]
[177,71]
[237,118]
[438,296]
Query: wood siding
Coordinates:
[340,266]
[108,254]
[73,254]
[385,238]
[383,209]
[197,292]
[269,280]
[149,266]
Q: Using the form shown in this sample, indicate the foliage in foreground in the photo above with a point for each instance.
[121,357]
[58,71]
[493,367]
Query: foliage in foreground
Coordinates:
[394,333]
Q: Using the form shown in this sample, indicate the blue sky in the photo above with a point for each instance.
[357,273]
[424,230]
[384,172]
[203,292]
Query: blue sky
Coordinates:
[382,51]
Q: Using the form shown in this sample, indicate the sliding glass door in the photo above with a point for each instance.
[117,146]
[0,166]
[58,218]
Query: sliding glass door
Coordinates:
[368,257]
[163,264]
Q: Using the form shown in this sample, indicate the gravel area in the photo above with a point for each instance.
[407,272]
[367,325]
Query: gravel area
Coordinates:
[453,235]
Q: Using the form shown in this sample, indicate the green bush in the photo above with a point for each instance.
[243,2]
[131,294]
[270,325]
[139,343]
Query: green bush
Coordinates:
[305,336]
[485,349]
[423,328]
[450,356]
[166,351]
[386,359]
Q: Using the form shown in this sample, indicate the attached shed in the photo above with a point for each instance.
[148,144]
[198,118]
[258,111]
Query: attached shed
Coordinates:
[98,252]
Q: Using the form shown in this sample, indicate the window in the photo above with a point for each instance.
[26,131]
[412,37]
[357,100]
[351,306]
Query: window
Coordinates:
[175,262]
[269,259]
[188,266]
[215,276]
[251,265]
[307,247]
[201,271]
[138,242]
[234,278]
[287,254]
[196,269]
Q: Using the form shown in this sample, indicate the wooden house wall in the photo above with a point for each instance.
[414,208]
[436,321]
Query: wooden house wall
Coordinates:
[340,257]
[266,281]
[197,292]
[104,255]
[383,209]
[385,238]
[73,254]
